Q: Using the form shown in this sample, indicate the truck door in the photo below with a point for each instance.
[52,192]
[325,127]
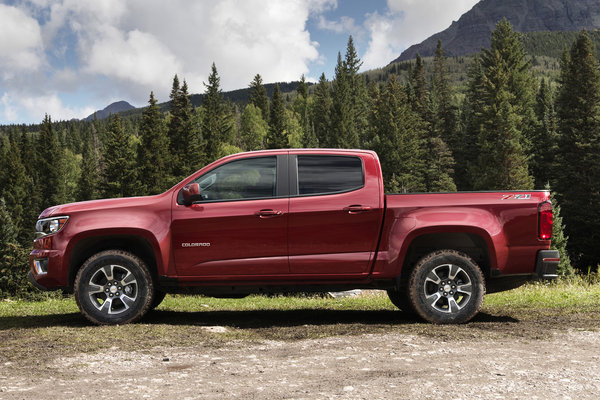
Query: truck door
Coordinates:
[335,214]
[240,225]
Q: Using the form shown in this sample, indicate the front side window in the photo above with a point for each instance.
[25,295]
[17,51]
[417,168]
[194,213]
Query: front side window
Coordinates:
[329,174]
[250,178]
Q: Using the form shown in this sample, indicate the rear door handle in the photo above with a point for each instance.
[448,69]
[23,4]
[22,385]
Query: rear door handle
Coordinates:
[356,208]
[267,213]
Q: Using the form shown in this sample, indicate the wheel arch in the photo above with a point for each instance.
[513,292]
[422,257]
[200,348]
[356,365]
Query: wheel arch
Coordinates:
[132,243]
[472,242]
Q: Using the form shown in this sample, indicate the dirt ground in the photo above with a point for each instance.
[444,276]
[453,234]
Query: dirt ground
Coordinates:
[562,364]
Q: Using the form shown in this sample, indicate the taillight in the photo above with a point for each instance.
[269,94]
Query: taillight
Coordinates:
[545,221]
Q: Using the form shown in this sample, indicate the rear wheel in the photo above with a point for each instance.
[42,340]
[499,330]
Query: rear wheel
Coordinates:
[114,287]
[446,287]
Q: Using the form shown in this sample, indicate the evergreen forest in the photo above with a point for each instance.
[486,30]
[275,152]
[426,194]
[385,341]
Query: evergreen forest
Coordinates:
[505,126]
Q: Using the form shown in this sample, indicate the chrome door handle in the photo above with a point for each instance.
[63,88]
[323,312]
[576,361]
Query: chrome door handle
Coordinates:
[266,213]
[355,209]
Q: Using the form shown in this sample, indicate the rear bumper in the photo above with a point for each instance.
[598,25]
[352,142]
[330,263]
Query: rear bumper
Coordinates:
[547,264]
[545,269]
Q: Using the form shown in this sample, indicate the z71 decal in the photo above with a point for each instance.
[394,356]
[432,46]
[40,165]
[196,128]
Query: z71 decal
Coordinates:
[516,197]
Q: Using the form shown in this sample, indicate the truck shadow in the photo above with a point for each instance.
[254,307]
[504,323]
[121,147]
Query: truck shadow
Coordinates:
[246,319]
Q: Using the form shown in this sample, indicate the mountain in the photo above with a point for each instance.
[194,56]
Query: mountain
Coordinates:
[113,108]
[473,29]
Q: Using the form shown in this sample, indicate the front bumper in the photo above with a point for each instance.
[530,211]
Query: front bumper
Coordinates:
[34,282]
[547,264]
[53,278]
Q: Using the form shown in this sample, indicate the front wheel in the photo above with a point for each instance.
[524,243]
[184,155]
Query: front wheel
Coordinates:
[400,299]
[446,287]
[159,296]
[114,287]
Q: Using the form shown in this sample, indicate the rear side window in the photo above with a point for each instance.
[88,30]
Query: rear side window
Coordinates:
[329,174]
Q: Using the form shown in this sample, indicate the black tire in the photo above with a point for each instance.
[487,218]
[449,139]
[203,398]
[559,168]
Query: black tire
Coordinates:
[159,296]
[400,299]
[114,287]
[446,287]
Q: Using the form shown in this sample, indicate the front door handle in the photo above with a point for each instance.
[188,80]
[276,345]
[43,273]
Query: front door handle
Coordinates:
[267,213]
[356,208]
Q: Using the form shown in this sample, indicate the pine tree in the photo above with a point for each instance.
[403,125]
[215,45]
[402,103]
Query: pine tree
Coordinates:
[445,113]
[507,118]
[293,129]
[398,140]
[50,158]
[349,102]
[153,151]
[257,95]
[358,90]
[502,162]
[8,233]
[253,128]
[420,100]
[13,258]
[32,202]
[13,187]
[119,177]
[70,178]
[434,109]
[300,108]
[73,138]
[559,239]
[217,124]
[439,166]
[506,46]
[343,130]
[321,113]
[466,148]
[184,138]
[277,138]
[175,126]
[302,88]
[578,160]
[88,186]
[546,136]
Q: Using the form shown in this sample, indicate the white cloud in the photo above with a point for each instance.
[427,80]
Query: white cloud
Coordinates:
[148,42]
[124,49]
[344,25]
[319,6]
[133,56]
[406,23]
[10,114]
[15,106]
[52,105]
[380,50]
[21,42]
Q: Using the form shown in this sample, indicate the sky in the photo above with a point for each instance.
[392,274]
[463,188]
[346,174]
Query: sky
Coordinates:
[68,58]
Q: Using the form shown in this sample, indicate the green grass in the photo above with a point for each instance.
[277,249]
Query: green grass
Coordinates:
[566,293]
[372,301]
[33,331]
[573,294]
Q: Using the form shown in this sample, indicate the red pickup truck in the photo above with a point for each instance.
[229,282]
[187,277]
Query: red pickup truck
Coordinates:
[294,220]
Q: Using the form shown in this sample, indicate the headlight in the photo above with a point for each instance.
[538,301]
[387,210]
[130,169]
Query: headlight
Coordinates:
[48,226]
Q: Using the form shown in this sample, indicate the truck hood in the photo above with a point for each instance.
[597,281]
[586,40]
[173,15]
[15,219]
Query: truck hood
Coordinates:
[95,205]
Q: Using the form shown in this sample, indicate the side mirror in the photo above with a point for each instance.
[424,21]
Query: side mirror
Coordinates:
[191,193]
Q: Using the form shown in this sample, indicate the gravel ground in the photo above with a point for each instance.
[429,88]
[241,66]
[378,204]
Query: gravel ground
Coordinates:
[396,365]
